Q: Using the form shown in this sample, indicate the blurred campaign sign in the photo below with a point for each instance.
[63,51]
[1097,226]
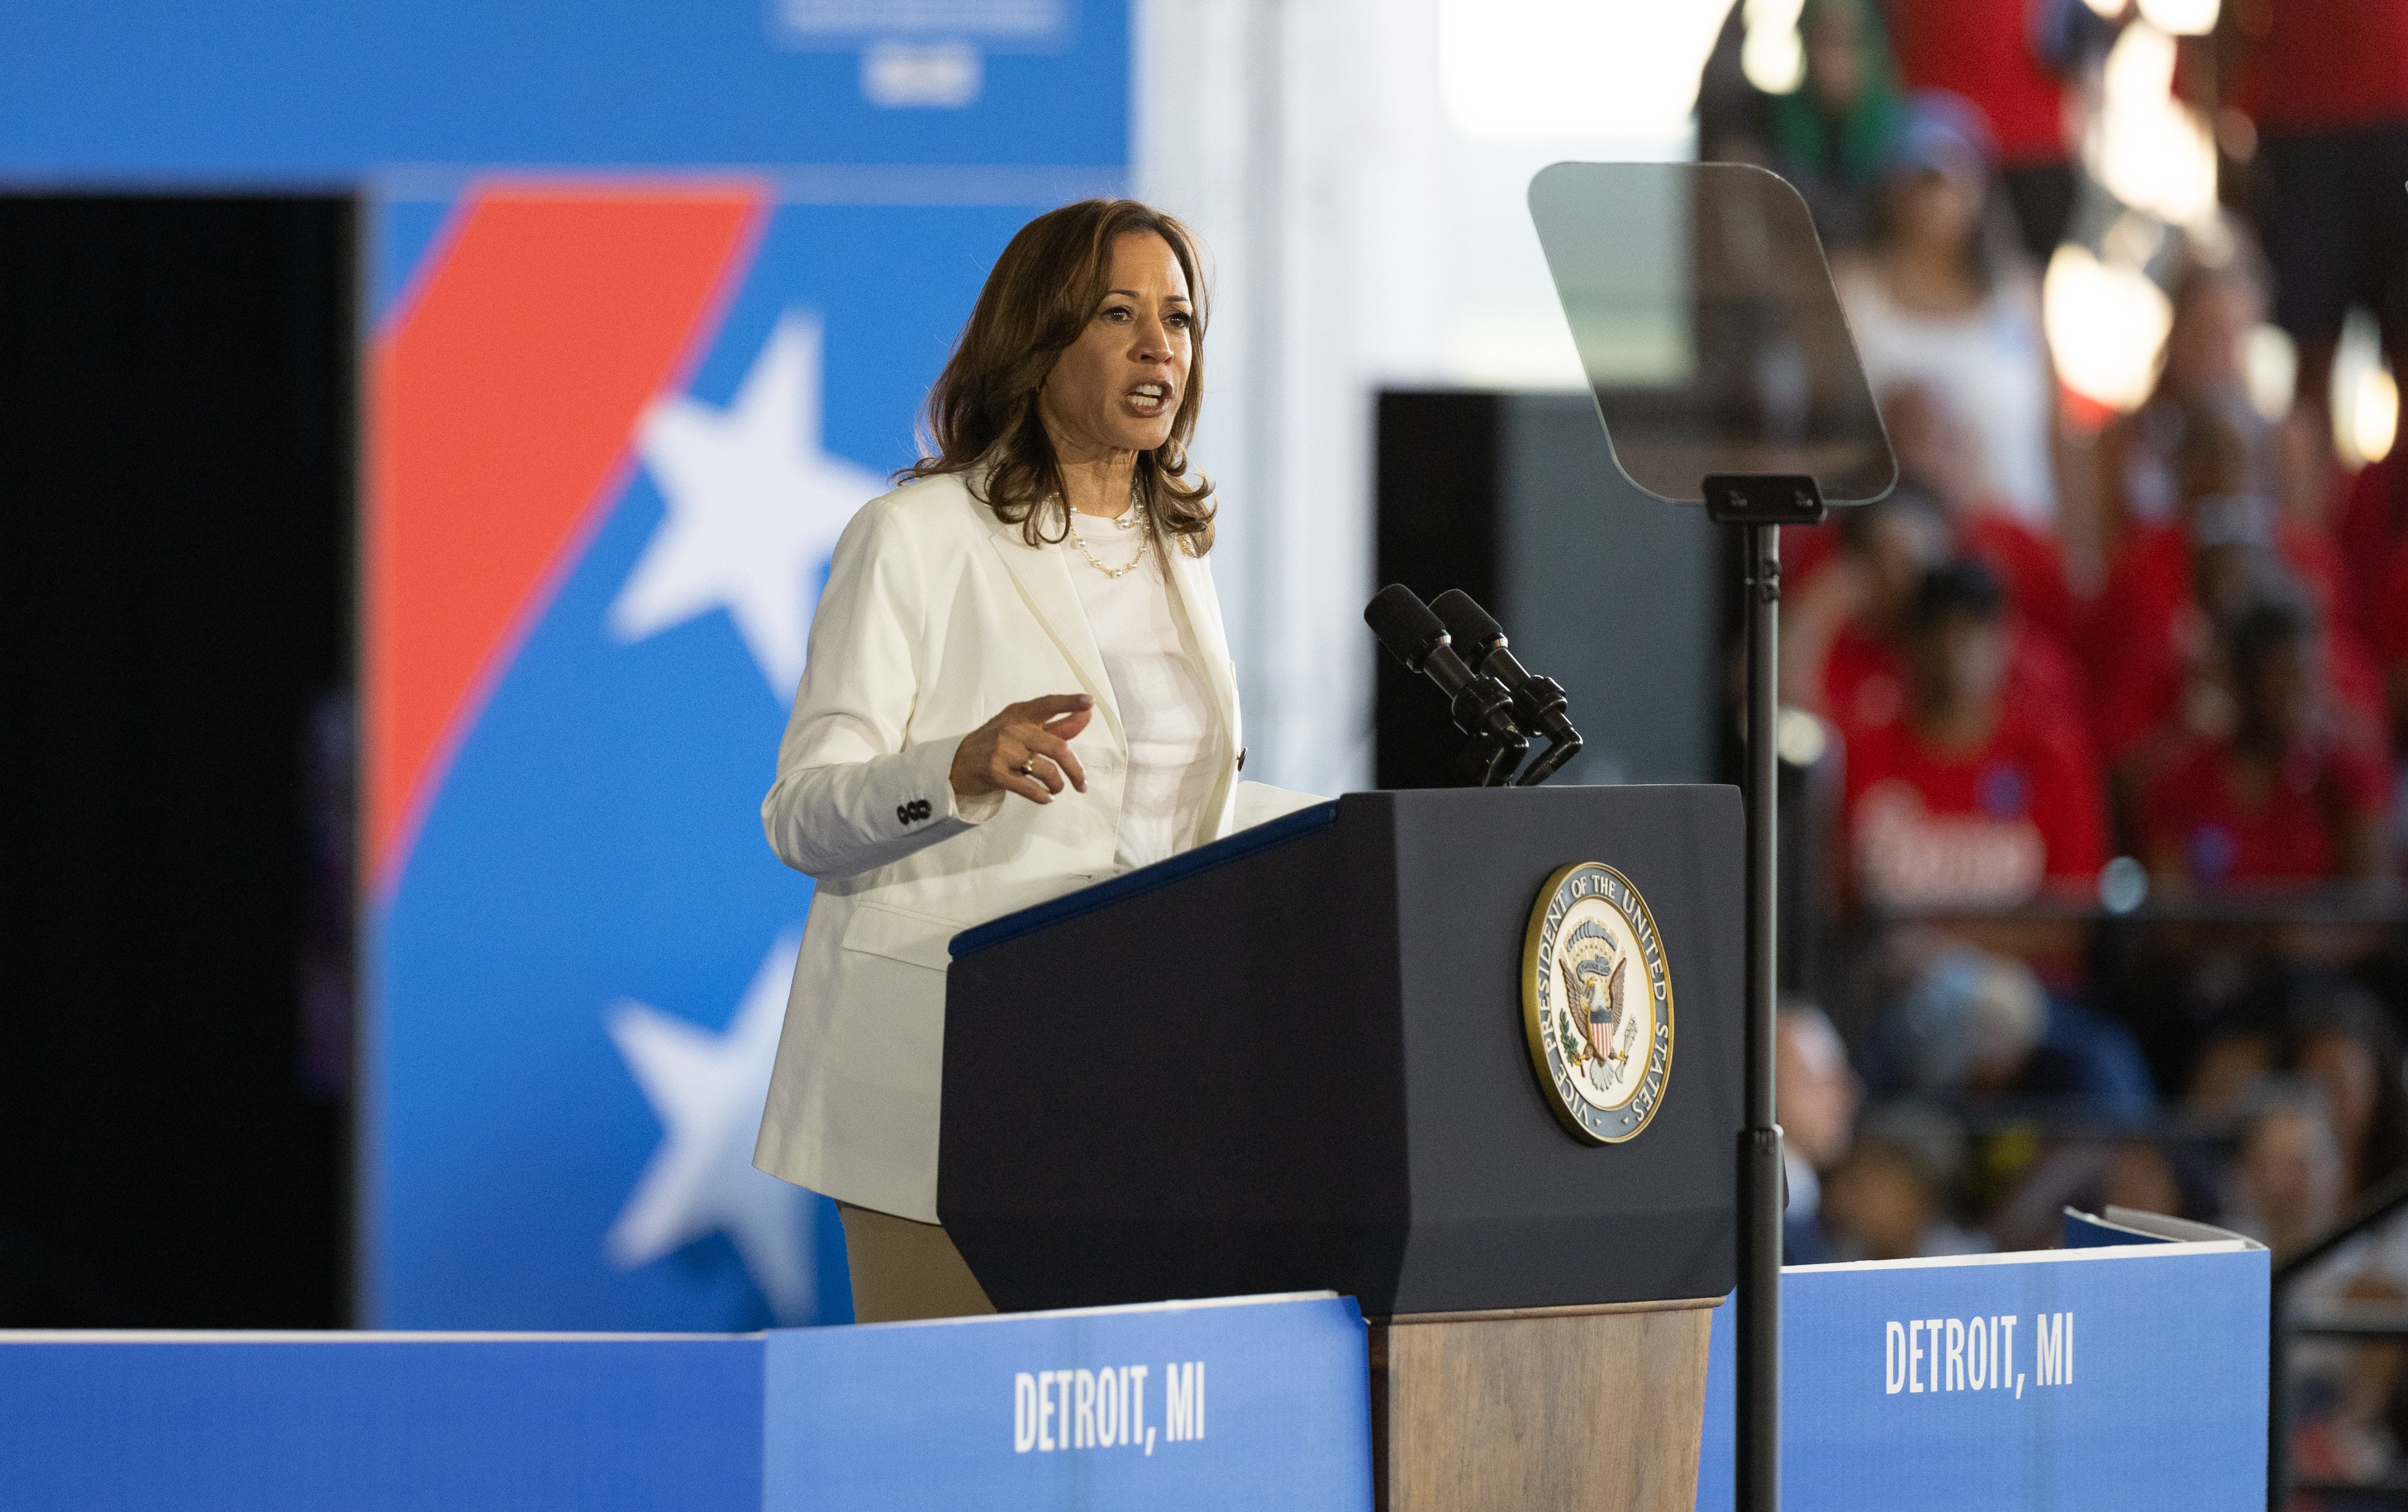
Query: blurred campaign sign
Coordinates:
[2117,1377]
[613,428]
[282,91]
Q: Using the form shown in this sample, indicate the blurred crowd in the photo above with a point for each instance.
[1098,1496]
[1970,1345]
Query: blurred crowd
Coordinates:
[2114,691]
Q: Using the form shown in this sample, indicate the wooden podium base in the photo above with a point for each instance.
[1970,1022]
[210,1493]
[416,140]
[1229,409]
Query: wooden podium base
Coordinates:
[1569,1407]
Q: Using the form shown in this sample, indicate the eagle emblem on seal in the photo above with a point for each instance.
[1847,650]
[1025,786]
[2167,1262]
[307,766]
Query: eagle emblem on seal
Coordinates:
[1592,971]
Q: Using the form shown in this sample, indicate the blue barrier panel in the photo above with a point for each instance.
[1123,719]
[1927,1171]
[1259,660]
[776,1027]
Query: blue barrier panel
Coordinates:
[2123,1379]
[1203,1405]
[268,1423]
[1251,1402]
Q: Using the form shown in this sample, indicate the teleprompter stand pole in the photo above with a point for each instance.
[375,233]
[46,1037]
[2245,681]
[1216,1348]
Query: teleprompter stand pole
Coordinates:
[1759,506]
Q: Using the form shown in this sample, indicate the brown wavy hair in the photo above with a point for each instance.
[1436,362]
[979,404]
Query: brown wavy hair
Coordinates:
[982,408]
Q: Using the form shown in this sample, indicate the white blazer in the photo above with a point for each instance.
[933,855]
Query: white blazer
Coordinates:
[936,616]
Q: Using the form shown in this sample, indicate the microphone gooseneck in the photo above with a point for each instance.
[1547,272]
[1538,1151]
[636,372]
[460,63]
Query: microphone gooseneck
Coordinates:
[1480,705]
[1540,706]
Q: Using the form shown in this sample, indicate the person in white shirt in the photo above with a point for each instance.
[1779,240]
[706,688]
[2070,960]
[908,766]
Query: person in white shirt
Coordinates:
[1017,684]
[1941,299]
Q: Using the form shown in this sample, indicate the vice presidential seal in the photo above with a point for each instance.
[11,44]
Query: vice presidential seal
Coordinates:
[1596,1001]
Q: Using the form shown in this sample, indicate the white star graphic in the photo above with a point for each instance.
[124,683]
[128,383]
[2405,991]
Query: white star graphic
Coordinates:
[708,1091]
[754,507]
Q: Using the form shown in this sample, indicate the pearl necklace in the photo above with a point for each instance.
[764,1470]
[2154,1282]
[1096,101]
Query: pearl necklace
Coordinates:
[1143,541]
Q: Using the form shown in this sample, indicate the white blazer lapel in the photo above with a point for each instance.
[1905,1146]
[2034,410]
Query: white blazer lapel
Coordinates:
[1043,577]
[1193,581]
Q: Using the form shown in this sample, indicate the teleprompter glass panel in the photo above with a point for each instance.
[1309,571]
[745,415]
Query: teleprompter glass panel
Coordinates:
[1708,327]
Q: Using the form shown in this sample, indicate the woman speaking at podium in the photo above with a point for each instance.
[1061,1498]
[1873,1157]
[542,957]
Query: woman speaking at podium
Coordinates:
[1017,685]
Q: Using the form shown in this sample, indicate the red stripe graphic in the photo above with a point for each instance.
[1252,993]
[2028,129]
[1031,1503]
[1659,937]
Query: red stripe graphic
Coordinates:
[501,404]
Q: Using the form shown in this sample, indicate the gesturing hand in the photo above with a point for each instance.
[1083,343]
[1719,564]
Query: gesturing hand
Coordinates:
[1024,750]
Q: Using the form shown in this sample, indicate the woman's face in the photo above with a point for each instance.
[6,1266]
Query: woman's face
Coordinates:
[1901,546]
[1119,385]
[2278,699]
[1960,663]
[1879,1200]
[2229,1070]
[2290,1174]
[2344,1068]
[1937,210]
[2141,1176]
[1834,61]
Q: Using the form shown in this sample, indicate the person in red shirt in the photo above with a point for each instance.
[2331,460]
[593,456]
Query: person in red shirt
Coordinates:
[1840,643]
[1966,801]
[2388,628]
[1991,51]
[2372,530]
[1847,606]
[1935,449]
[2282,798]
[2326,84]
[2152,638]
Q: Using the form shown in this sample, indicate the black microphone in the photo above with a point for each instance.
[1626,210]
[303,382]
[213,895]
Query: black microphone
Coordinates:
[1482,707]
[1539,705]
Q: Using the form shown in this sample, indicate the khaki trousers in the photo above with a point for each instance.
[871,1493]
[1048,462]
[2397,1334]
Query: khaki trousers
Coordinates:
[903,1270]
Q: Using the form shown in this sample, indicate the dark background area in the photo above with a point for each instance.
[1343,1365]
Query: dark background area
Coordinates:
[1440,512]
[1515,499]
[176,466]
[1630,603]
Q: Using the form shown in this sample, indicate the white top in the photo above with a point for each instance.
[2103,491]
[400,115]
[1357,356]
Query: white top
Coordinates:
[1989,365]
[1166,707]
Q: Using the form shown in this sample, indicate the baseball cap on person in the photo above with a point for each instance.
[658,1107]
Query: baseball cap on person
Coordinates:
[1942,132]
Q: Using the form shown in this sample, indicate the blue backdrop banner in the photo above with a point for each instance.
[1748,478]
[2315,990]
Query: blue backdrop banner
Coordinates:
[283,91]
[615,429]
